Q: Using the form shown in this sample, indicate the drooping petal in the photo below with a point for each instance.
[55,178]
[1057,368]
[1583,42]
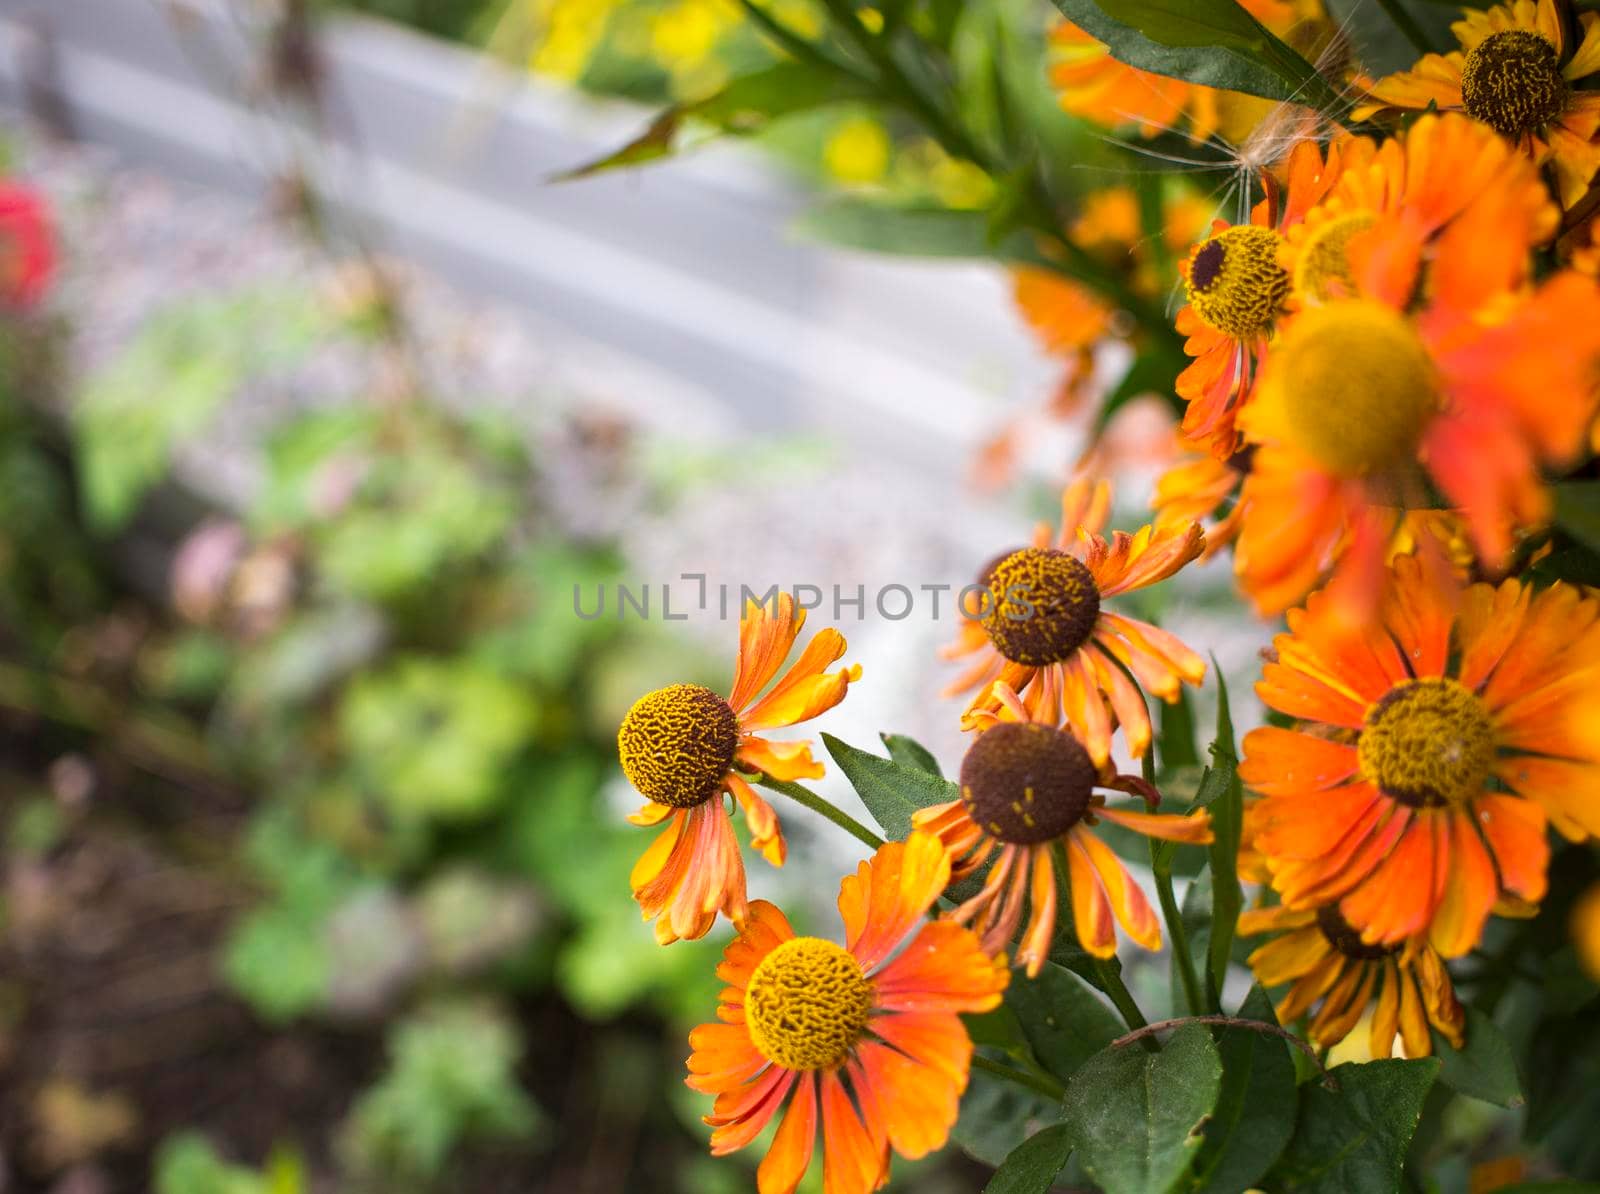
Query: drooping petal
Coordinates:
[789,1157]
[766,835]
[886,897]
[781,760]
[853,1161]
[1091,910]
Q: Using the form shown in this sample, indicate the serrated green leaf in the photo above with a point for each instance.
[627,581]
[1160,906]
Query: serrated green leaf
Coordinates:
[1137,1117]
[1485,1068]
[1255,1112]
[1353,1140]
[908,752]
[1034,1164]
[1211,42]
[1227,822]
[891,791]
[1064,1020]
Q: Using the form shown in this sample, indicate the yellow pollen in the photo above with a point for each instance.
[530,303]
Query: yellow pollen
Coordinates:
[1235,282]
[1428,743]
[807,1004]
[677,743]
[1323,271]
[1357,384]
[1512,82]
[1044,608]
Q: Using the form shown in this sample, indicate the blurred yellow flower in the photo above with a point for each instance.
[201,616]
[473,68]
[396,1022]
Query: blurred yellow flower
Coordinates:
[689,31]
[571,30]
[858,151]
[1586,931]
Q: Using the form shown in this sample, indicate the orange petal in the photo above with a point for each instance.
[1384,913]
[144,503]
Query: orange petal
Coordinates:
[765,928]
[1471,887]
[765,638]
[890,893]
[781,760]
[853,1161]
[807,689]
[919,1103]
[1515,830]
[943,969]
[1091,911]
[1192,828]
[1128,901]
[766,835]
[789,1157]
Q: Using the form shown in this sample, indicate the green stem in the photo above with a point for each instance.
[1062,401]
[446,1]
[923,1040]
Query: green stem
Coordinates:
[805,796]
[795,45]
[1407,24]
[958,142]
[1038,1083]
[1182,957]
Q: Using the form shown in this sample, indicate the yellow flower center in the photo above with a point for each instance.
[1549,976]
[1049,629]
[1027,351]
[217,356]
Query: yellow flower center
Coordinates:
[1428,743]
[1358,385]
[1044,606]
[1025,782]
[1235,282]
[677,743]
[1323,271]
[1344,938]
[1512,82]
[807,1004]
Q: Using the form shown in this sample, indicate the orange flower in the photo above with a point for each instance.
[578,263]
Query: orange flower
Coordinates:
[1028,791]
[1236,291]
[1421,359]
[1044,631]
[683,747]
[1096,86]
[865,1039]
[1194,489]
[1323,959]
[1435,743]
[1515,73]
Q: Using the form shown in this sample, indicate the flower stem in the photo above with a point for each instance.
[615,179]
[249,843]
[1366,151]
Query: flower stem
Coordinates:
[1261,1026]
[1038,1083]
[1182,956]
[805,796]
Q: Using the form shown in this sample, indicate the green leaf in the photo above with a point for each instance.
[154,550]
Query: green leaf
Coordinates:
[1212,42]
[910,753]
[165,387]
[890,790]
[1226,802]
[1137,1117]
[1034,1164]
[1353,1140]
[1177,745]
[1485,1069]
[746,106]
[1063,1019]
[1256,1109]
[1578,510]
[997,1116]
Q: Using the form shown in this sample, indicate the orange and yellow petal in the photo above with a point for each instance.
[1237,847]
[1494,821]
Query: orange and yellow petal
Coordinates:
[883,901]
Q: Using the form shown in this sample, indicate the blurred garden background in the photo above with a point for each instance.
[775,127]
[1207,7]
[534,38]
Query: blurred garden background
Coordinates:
[313,865]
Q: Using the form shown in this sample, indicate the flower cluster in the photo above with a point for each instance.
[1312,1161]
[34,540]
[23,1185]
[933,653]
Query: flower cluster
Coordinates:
[1389,357]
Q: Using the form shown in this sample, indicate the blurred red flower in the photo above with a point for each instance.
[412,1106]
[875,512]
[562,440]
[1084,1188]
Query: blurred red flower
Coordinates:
[27,246]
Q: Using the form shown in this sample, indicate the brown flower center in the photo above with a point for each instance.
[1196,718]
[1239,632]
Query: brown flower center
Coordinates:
[807,1004]
[1044,607]
[677,743]
[1512,82]
[1344,938]
[1235,282]
[1026,783]
[1428,743]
